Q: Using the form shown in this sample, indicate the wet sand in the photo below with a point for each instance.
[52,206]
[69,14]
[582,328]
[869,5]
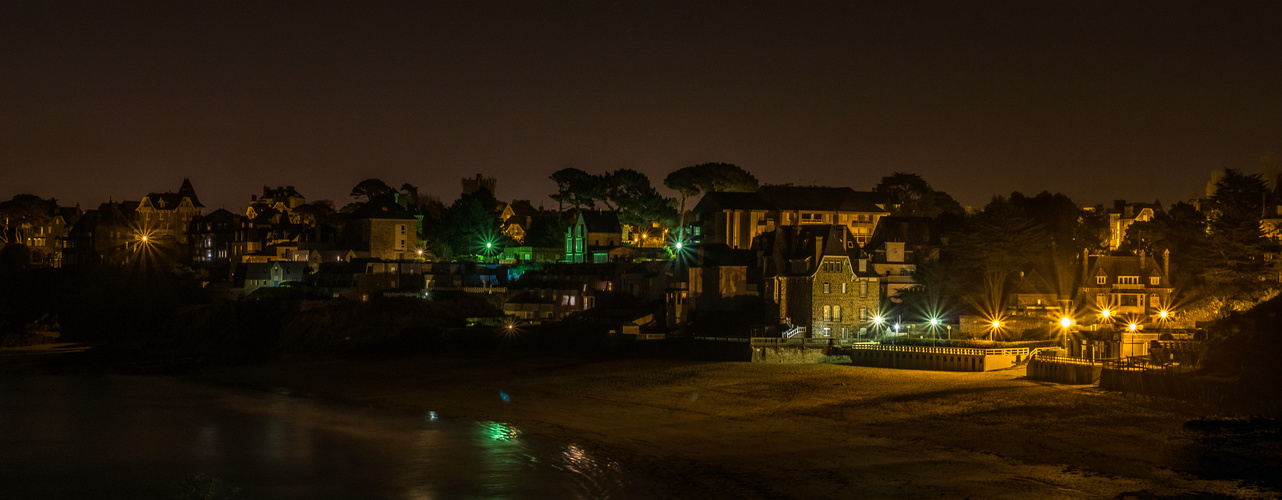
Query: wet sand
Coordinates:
[720,430]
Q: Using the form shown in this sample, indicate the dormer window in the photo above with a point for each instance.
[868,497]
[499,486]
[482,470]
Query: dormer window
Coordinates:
[1101,280]
[1128,280]
[1154,281]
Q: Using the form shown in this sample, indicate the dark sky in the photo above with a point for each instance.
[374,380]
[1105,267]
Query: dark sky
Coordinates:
[1136,100]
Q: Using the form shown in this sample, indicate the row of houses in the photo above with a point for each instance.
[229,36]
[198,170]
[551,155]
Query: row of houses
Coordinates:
[829,260]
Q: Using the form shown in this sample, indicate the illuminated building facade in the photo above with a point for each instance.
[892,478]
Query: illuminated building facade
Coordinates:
[817,277]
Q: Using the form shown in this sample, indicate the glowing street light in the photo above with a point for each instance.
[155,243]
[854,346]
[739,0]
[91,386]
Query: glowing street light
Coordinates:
[934,321]
[997,324]
[677,245]
[1132,327]
[1163,313]
[1065,322]
[878,320]
[1105,313]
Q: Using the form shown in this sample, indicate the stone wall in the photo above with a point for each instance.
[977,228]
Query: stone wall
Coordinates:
[787,355]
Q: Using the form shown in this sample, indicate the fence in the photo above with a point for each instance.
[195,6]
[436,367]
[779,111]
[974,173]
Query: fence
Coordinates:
[967,359]
[1136,376]
[792,342]
[1063,369]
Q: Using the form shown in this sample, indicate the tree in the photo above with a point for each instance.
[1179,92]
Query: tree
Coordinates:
[422,204]
[637,202]
[317,212]
[1236,275]
[625,191]
[576,188]
[369,189]
[911,195]
[545,230]
[706,178]
[987,248]
[467,226]
[23,213]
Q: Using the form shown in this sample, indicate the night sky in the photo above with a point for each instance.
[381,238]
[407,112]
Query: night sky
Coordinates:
[1136,100]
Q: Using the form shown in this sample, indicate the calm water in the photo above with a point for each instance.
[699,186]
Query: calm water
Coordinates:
[138,437]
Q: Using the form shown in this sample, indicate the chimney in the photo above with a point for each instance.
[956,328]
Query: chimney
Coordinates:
[253,197]
[863,265]
[1085,264]
[819,249]
[1143,260]
[1166,264]
[291,188]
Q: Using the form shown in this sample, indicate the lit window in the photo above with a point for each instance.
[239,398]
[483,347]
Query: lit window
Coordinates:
[863,289]
[1128,280]
[836,313]
[1100,280]
[827,313]
[1154,281]
[843,288]
[827,287]
[863,314]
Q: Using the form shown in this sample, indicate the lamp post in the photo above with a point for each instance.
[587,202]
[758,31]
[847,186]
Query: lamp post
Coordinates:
[1065,323]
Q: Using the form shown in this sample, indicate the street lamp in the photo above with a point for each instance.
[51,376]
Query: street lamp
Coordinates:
[1064,323]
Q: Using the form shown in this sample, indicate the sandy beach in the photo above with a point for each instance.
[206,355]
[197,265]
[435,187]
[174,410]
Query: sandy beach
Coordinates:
[733,429]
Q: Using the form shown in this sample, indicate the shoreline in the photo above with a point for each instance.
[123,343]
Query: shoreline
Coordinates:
[779,431]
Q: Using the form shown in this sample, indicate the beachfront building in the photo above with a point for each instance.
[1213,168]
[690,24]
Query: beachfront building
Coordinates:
[818,278]
[1130,288]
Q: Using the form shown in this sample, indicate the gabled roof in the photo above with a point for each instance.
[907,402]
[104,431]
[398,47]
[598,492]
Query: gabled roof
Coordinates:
[221,213]
[523,209]
[382,207]
[1029,281]
[188,191]
[600,222]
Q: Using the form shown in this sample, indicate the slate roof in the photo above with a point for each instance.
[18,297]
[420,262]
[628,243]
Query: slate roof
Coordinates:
[382,207]
[1112,266]
[1031,282]
[794,244]
[601,222]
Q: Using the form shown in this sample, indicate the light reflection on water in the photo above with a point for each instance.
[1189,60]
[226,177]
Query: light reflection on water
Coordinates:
[136,437]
